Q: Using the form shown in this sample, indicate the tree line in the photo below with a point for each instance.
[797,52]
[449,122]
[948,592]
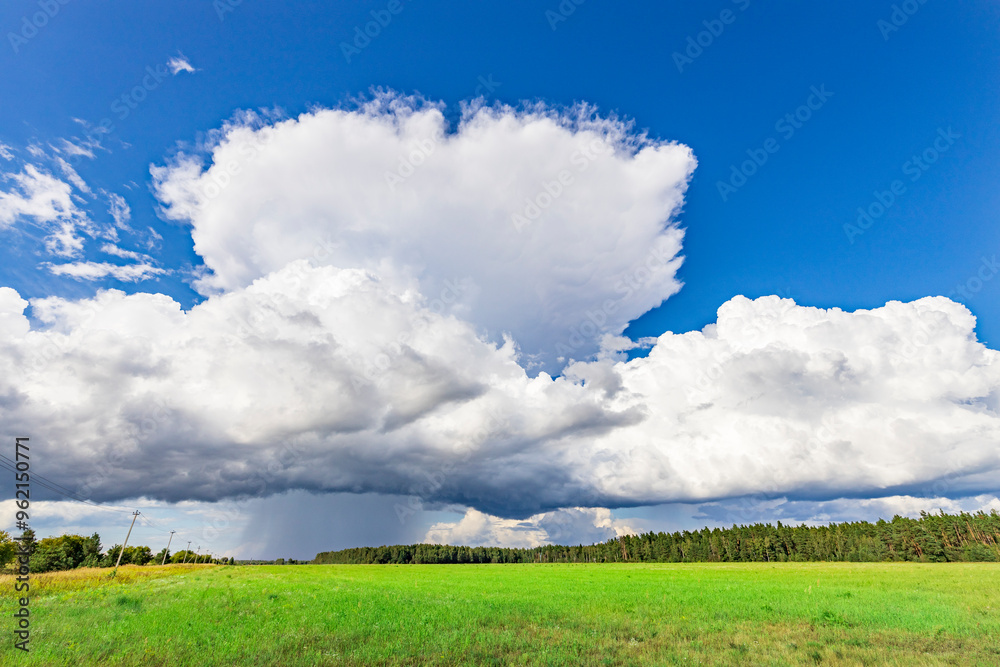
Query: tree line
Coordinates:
[933,538]
[67,552]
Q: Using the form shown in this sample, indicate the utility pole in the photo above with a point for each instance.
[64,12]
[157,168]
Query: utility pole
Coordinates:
[187,551]
[197,555]
[120,553]
[167,550]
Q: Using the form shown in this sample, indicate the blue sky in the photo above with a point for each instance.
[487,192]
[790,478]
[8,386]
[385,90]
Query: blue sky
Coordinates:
[780,233]
[890,108]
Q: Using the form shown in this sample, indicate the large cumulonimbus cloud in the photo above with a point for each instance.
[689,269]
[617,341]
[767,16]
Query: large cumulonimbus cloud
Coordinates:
[375,329]
[561,225]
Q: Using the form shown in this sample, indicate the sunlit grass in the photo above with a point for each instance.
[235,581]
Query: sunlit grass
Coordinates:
[647,614]
[89,578]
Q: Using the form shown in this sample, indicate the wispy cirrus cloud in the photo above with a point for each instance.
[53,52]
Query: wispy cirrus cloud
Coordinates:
[129,273]
[180,63]
[38,196]
[112,249]
[59,204]
[119,210]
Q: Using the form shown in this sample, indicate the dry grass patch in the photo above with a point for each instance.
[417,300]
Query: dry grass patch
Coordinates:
[88,578]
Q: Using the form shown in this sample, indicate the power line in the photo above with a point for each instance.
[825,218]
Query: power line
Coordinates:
[52,486]
[62,490]
[35,474]
[150,524]
[6,466]
[10,465]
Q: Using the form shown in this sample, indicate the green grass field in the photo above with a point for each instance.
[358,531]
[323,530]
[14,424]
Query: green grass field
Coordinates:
[648,614]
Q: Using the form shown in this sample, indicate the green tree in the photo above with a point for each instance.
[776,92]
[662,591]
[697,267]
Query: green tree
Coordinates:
[92,551]
[59,553]
[8,549]
[111,557]
[136,555]
[28,541]
[183,556]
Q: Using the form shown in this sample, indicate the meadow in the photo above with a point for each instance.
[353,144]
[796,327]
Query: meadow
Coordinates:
[532,614]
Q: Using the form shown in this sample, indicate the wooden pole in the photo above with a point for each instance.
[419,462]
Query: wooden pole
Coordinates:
[120,553]
[167,550]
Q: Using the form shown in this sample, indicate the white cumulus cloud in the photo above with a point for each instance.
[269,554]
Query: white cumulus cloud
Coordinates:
[562,224]
[572,525]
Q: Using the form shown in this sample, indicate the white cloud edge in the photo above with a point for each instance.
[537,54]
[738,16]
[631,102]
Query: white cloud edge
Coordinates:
[130,273]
